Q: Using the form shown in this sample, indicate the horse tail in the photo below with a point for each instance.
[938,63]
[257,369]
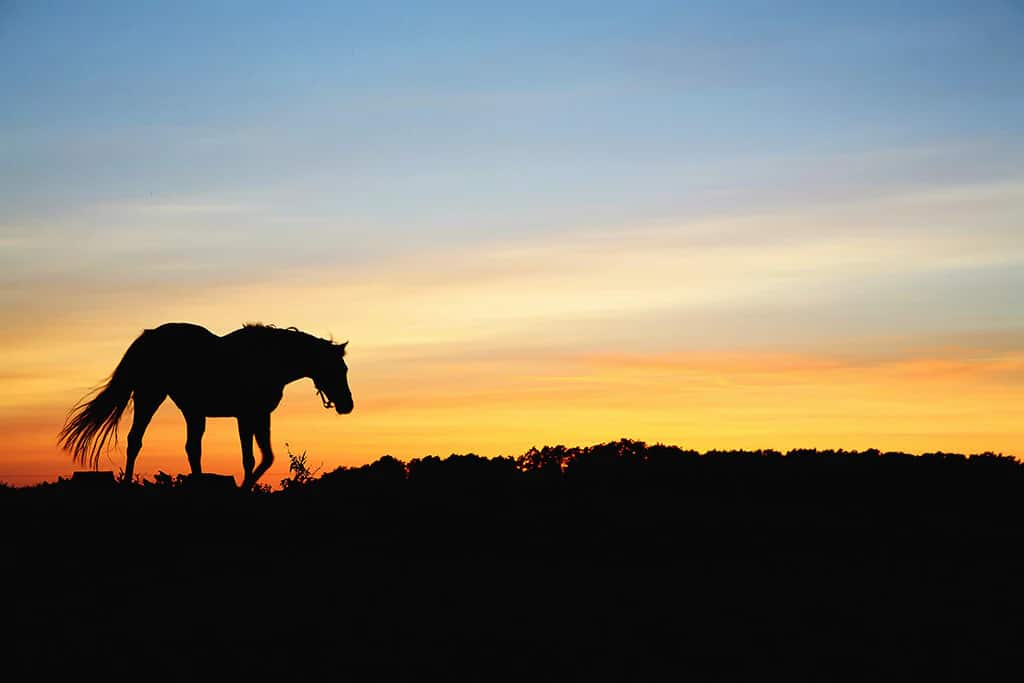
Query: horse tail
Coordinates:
[93,420]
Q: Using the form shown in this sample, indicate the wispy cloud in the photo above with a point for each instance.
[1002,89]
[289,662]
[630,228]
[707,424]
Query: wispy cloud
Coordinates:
[880,313]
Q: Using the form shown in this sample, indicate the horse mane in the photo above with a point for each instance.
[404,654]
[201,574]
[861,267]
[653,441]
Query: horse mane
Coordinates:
[292,330]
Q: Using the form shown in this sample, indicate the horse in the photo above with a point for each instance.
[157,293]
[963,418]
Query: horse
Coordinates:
[241,375]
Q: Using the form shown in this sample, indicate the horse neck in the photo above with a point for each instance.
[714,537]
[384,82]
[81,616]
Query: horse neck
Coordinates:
[294,359]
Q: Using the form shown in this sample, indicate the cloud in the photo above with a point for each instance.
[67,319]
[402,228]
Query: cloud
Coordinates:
[873,323]
[538,287]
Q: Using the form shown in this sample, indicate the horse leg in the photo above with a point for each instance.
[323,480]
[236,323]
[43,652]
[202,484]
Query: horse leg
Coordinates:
[145,406]
[245,433]
[262,433]
[196,426]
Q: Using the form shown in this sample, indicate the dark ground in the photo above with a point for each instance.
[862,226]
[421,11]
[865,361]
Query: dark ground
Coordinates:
[617,562]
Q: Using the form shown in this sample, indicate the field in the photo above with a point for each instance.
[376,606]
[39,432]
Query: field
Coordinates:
[620,561]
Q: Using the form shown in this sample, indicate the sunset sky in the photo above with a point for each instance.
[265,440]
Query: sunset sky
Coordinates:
[717,225]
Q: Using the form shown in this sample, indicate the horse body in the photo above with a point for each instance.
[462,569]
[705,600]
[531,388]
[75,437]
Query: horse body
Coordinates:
[240,375]
[225,376]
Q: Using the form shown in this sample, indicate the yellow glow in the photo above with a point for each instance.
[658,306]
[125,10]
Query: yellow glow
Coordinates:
[499,347]
[964,400]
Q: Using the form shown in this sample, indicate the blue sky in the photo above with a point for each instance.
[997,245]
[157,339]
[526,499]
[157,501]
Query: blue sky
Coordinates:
[452,109]
[337,132]
[222,140]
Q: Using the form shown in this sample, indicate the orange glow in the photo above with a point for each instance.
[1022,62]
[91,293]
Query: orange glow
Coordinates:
[583,337]
[503,403]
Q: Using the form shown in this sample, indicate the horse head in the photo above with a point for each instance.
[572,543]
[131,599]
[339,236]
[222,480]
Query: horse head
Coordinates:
[331,379]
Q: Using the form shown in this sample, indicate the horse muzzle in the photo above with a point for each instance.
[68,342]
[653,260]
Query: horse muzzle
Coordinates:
[344,408]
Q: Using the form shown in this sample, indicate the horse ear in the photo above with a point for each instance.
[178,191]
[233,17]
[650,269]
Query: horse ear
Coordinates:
[341,347]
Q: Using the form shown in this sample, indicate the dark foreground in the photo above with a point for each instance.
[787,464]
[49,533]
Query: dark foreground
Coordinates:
[620,562]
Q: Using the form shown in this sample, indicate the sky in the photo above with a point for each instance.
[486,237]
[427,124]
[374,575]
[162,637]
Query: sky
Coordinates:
[717,225]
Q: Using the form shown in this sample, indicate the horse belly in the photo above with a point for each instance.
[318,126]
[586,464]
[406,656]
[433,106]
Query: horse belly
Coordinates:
[207,391]
[227,401]
[220,386]
[210,404]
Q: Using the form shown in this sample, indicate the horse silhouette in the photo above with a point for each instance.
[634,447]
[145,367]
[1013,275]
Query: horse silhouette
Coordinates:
[240,375]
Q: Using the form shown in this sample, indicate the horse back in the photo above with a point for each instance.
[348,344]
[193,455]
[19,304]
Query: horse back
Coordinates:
[182,332]
[183,351]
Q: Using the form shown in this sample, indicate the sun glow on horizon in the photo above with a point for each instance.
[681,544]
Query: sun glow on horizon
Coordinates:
[503,405]
[594,336]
